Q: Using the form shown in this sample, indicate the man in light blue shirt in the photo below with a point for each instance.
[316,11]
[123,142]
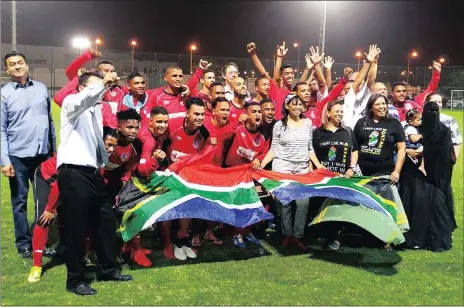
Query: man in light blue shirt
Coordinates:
[27,139]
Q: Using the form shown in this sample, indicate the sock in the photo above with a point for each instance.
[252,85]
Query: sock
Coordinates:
[39,240]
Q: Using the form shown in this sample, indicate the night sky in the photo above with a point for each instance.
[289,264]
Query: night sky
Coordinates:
[223,29]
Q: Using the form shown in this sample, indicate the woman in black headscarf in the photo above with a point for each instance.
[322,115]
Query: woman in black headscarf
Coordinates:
[424,197]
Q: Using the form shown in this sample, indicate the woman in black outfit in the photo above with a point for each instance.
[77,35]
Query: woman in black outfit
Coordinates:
[337,150]
[424,197]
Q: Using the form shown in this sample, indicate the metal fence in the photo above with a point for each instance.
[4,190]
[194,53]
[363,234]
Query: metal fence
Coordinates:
[48,64]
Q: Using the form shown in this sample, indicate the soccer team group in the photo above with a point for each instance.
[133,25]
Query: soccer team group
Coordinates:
[349,127]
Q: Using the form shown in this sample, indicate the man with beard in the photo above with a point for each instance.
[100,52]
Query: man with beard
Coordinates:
[262,86]
[246,145]
[276,93]
[186,136]
[237,110]
[401,106]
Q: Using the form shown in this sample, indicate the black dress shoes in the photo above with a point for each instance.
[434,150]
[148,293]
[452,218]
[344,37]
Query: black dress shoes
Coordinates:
[82,289]
[25,253]
[116,276]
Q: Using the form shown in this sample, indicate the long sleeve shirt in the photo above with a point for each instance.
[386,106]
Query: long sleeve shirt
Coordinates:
[78,140]
[71,73]
[48,172]
[27,127]
[292,144]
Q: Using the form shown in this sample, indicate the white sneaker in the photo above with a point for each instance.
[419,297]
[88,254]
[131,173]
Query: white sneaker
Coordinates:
[189,252]
[179,253]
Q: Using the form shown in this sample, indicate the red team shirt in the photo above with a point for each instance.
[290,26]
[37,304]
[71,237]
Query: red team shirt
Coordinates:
[221,134]
[182,143]
[235,112]
[245,147]
[150,144]
[277,94]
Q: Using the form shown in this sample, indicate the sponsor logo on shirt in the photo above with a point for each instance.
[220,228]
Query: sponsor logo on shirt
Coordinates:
[166,102]
[408,106]
[332,153]
[245,153]
[197,141]
[373,138]
[257,141]
[234,115]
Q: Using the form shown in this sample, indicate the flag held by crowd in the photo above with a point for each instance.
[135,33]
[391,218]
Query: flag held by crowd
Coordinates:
[192,188]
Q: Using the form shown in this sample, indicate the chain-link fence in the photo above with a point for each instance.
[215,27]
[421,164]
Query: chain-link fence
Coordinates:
[48,65]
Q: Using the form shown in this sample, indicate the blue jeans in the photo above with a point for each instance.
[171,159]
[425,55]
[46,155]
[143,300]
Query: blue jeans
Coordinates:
[19,187]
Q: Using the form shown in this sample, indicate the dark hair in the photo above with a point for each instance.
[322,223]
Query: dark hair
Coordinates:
[13,53]
[104,62]
[134,74]
[252,103]
[108,131]
[224,68]
[288,99]
[129,114]
[158,110]
[397,84]
[216,83]
[368,111]
[206,71]
[267,100]
[194,101]
[217,100]
[327,108]
[411,114]
[259,79]
[283,67]
[85,76]
[172,67]
[295,87]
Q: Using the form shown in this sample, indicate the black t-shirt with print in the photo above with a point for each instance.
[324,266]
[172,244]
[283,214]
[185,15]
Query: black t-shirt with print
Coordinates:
[333,149]
[377,145]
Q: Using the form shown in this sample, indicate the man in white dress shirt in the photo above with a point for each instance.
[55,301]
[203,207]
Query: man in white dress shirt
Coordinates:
[84,202]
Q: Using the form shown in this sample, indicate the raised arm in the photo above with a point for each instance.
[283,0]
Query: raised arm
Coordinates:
[373,70]
[281,52]
[79,62]
[327,63]
[309,67]
[316,58]
[433,85]
[251,48]
[196,76]
[370,57]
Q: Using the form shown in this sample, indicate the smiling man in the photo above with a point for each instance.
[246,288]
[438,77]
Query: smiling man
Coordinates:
[27,139]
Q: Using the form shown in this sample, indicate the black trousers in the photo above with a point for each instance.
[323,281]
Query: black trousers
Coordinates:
[84,204]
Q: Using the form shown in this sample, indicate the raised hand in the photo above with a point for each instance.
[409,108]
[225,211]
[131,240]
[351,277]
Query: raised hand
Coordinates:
[347,73]
[281,50]
[309,64]
[328,62]
[204,64]
[251,48]
[373,53]
[110,78]
[436,66]
[95,53]
[316,58]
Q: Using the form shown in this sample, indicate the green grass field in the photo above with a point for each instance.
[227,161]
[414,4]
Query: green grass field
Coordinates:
[228,276]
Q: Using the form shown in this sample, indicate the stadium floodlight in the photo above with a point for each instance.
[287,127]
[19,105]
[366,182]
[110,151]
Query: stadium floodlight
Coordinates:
[80,43]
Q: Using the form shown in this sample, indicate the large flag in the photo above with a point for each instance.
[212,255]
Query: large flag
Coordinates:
[193,188]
